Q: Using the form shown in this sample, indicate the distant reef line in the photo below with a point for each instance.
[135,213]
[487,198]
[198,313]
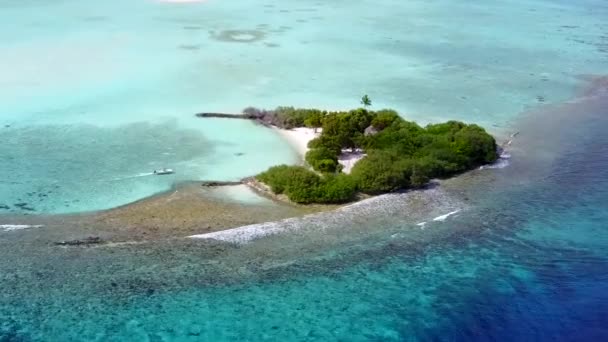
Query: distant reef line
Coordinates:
[260,117]
[224,115]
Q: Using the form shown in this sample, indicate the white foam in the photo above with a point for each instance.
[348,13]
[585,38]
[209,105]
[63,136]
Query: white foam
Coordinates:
[421,224]
[502,162]
[245,234]
[371,208]
[445,216]
[12,227]
[499,164]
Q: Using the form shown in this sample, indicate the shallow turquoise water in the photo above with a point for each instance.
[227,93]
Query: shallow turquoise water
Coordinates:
[524,259]
[98,69]
[58,168]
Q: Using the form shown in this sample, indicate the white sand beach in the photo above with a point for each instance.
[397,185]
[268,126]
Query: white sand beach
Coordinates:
[348,159]
[299,137]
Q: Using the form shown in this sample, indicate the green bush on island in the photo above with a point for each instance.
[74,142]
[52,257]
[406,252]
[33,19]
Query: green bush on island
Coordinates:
[290,117]
[381,172]
[400,154]
[322,159]
[384,118]
[304,186]
[327,142]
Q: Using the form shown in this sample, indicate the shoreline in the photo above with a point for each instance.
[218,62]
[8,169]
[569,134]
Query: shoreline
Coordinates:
[190,208]
[299,138]
[186,209]
[439,204]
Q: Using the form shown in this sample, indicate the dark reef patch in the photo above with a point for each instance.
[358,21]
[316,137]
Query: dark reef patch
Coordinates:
[192,27]
[238,36]
[189,47]
[24,206]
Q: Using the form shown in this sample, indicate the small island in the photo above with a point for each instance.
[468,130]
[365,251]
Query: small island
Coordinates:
[384,153]
[397,154]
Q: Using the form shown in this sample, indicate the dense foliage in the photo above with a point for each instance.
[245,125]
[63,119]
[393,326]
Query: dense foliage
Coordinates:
[400,154]
[286,117]
[304,186]
[322,159]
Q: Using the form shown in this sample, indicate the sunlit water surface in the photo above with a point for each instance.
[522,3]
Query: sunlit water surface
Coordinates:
[96,95]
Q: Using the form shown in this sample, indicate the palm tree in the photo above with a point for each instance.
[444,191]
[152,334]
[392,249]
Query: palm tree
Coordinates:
[366,101]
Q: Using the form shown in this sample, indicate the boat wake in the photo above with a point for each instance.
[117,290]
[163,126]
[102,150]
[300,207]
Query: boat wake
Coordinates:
[143,174]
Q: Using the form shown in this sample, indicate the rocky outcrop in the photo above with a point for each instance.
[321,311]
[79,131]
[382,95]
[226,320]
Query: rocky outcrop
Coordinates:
[371,130]
[220,183]
[91,240]
[224,116]
[260,116]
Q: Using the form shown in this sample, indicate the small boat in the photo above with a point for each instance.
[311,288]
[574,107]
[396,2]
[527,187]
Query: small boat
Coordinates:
[164,171]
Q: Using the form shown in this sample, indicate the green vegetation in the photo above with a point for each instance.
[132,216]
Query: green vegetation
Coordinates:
[304,186]
[322,159]
[366,101]
[400,154]
[286,117]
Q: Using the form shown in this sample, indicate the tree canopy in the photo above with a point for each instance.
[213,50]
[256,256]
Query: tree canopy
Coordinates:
[304,186]
[400,154]
[366,101]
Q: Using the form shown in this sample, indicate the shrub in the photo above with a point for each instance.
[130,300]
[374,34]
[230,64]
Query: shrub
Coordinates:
[276,177]
[418,178]
[314,120]
[378,173]
[338,188]
[322,159]
[400,136]
[304,186]
[290,117]
[449,127]
[326,141]
[475,144]
[384,118]
[304,191]
[283,177]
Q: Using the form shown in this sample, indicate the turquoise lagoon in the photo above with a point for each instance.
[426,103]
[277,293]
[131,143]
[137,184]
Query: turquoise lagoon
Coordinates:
[94,95]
